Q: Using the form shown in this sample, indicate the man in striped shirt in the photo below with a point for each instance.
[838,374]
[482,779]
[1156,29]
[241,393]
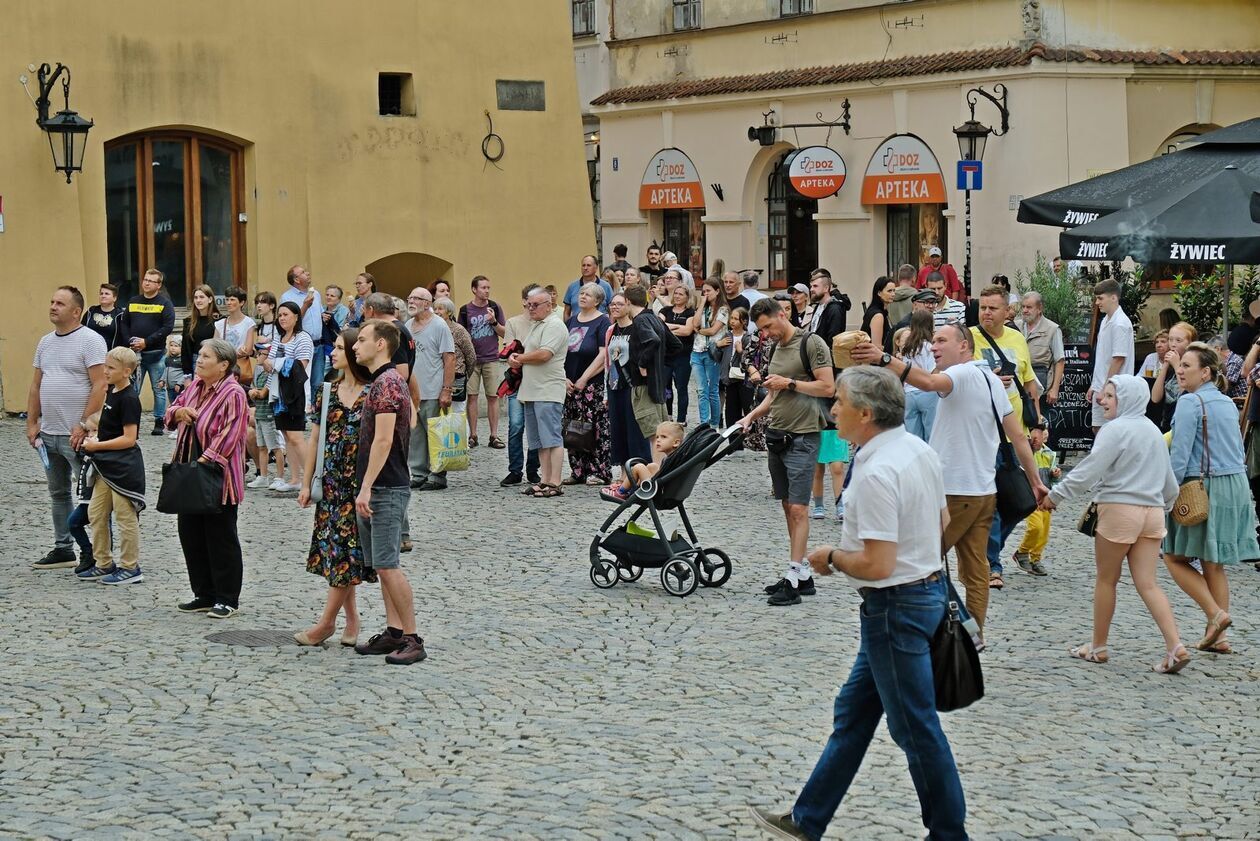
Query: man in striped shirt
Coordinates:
[948,311]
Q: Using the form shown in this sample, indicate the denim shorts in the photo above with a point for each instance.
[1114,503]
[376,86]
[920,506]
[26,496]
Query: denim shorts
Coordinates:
[542,424]
[792,471]
[381,535]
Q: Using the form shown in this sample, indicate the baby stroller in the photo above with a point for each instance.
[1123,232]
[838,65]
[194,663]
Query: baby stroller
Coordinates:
[633,548]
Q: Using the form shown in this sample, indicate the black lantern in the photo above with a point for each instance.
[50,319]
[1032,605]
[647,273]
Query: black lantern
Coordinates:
[67,131]
[971,139]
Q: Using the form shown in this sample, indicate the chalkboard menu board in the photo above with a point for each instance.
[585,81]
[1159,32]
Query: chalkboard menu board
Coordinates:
[1070,418]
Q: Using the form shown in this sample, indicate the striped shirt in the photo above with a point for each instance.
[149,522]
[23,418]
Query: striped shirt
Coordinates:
[63,360]
[222,421]
[301,349]
[954,312]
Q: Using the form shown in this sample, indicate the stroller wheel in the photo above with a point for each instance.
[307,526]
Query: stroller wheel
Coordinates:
[604,574]
[629,572]
[714,567]
[679,577]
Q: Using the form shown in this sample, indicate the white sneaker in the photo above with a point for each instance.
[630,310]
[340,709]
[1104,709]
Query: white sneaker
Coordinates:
[840,510]
[277,484]
[172,434]
[260,481]
[286,488]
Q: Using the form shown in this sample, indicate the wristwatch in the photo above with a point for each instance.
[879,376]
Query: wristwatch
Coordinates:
[884,360]
[791,385]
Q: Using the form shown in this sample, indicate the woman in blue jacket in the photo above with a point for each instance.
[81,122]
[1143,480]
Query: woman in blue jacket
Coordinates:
[1228,535]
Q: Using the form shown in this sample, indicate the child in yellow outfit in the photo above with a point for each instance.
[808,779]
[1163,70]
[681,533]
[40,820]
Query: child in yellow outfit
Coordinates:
[1037,531]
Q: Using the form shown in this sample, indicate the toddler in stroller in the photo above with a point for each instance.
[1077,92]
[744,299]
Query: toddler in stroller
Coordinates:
[668,437]
[622,553]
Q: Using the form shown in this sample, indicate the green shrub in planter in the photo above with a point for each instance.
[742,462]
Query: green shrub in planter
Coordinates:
[1066,301]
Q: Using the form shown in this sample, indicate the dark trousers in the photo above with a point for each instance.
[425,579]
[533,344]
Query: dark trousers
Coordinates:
[738,401]
[212,552]
[627,441]
[677,381]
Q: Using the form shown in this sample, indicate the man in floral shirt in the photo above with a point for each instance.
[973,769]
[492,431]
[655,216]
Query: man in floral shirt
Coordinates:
[382,477]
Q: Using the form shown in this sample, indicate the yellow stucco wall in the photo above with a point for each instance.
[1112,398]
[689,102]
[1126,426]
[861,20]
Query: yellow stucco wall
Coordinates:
[328,182]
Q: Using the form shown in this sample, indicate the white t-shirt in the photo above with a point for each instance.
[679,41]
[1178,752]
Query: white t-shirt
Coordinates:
[753,295]
[1150,365]
[235,334]
[65,385]
[896,494]
[1115,338]
[964,434]
[924,361]
[301,349]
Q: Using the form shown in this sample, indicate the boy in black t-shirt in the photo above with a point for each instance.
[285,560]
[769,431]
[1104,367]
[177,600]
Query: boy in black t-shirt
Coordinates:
[118,488]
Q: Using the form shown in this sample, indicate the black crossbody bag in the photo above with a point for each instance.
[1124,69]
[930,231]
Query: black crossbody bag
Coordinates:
[1010,369]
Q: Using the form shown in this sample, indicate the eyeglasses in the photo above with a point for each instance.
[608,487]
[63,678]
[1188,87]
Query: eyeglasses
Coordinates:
[536,305]
[418,298]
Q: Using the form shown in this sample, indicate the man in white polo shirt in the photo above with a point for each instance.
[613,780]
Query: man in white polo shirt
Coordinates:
[1113,352]
[890,552]
[965,437]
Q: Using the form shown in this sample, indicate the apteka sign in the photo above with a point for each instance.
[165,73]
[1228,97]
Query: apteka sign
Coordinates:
[816,172]
[903,170]
[670,182]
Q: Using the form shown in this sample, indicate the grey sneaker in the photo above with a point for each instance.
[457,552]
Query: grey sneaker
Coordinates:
[1024,563]
[1037,569]
[222,611]
[780,826]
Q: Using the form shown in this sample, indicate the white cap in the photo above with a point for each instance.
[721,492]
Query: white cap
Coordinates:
[669,255]
[934,252]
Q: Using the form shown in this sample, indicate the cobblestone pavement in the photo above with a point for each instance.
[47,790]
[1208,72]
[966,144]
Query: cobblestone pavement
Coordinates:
[549,709]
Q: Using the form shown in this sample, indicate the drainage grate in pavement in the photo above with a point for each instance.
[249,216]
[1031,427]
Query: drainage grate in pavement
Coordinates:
[253,639]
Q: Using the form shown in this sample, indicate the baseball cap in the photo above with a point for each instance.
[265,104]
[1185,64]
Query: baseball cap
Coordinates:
[934,252]
[800,287]
[926,296]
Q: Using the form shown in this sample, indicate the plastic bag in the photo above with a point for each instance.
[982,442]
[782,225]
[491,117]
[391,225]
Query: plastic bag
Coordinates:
[448,442]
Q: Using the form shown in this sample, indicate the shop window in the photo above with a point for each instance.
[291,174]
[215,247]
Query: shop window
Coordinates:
[791,8]
[395,95]
[173,202]
[583,17]
[912,230]
[686,15]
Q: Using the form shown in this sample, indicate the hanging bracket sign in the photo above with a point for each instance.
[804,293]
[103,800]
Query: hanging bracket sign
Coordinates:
[903,170]
[816,172]
[671,182]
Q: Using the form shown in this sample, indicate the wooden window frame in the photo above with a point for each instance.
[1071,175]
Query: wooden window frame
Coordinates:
[583,9]
[688,14]
[193,256]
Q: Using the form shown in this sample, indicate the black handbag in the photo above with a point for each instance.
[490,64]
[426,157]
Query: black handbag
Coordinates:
[1015,498]
[956,673]
[579,436]
[1088,523]
[191,486]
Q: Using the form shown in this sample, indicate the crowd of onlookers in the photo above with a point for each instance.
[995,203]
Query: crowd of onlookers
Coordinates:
[345,401]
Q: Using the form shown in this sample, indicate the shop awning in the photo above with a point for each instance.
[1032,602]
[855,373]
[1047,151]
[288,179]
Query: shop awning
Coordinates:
[903,170]
[671,182]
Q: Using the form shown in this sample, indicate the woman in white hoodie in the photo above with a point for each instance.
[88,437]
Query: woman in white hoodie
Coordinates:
[1131,476]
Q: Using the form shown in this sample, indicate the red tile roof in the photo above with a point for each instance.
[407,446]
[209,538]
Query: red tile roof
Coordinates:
[926,65]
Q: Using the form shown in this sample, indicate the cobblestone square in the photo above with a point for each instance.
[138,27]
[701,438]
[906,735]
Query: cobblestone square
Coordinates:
[550,709]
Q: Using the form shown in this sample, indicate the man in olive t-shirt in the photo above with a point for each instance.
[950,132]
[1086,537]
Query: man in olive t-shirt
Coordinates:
[792,441]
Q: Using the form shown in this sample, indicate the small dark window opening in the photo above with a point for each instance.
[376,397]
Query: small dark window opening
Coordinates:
[395,95]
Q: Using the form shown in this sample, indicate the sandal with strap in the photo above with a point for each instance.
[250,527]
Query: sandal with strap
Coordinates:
[546,491]
[995,581]
[1218,625]
[1218,647]
[1173,662]
[1090,654]
[532,490]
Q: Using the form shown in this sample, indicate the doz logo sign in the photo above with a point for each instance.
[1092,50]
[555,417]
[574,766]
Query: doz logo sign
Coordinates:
[670,181]
[816,172]
[903,170]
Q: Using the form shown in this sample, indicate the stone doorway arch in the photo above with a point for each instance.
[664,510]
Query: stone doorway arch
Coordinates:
[397,274]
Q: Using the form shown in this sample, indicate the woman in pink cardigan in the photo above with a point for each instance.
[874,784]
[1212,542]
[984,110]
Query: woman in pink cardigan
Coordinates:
[212,416]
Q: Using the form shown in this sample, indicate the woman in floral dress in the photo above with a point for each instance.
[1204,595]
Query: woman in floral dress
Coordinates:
[335,551]
[755,362]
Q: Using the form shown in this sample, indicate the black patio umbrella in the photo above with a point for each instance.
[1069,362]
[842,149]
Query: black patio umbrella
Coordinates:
[1205,221]
[1255,207]
[1083,202]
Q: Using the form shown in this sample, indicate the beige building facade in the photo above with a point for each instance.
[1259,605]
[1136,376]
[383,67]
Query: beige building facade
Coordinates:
[235,139]
[1091,86]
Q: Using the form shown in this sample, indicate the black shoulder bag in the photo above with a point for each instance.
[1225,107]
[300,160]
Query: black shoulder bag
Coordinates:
[1015,498]
[1011,370]
[956,671]
[191,487]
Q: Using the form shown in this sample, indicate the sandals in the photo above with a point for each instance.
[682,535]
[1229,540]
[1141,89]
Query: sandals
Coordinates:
[1173,662]
[533,489]
[496,443]
[995,581]
[1218,647]
[472,441]
[1090,654]
[1218,625]
[546,491]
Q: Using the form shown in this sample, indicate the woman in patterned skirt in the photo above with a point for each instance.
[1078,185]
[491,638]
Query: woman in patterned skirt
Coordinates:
[584,380]
[335,551]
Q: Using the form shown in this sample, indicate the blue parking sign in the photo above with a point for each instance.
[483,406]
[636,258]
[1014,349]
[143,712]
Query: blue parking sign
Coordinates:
[970,175]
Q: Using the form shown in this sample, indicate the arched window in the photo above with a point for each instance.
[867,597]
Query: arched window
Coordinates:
[173,201]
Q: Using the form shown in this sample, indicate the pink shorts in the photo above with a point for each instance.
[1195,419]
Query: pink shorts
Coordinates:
[1124,524]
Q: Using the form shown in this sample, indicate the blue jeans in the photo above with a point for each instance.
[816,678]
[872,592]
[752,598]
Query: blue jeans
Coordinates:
[921,412]
[516,440]
[999,533]
[678,378]
[152,365]
[891,676]
[319,363]
[77,523]
[63,473]
[707,383]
